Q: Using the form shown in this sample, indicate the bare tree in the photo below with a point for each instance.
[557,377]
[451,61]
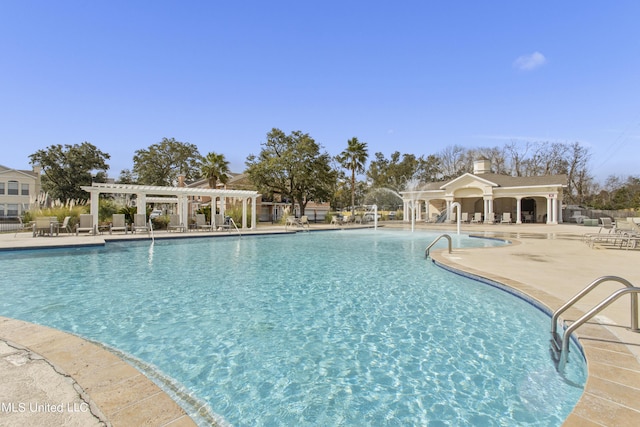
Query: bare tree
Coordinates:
[578,175]
[452,161]
[517,153]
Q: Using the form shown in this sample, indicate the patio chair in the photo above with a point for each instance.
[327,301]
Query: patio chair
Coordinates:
[477,218]
[202,224]
[65,225]
[175,224]
[44,226]
[85,224]
[304,221]
[465,217]
[506,218]
[140,223]
[291,221]
[220,223]
[118,223]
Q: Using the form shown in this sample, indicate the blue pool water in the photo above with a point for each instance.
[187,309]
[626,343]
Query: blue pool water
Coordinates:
[333,328]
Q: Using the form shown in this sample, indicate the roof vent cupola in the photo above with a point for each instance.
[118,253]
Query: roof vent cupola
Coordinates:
[482,165]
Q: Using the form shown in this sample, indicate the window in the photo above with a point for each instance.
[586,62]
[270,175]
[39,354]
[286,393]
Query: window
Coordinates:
[1,210]
[13,188]
[25,190]
[1,187]
[12,210]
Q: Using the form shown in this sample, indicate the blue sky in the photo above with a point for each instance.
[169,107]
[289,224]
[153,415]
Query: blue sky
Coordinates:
[412,76]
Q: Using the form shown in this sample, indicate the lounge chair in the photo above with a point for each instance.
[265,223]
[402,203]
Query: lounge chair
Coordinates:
[618,234]
[356,220]
[202,224]
[620,226]
[175,224]
[336,220]
[477,218]
[140,223]
[220,223]
[631,236]
[85,224]
[464,217]
[506,218]
[118,223]
[304,221]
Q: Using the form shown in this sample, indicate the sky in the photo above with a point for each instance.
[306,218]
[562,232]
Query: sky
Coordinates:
[408,76]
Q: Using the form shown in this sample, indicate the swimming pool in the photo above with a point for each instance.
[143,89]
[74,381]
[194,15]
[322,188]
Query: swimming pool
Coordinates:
[331,328]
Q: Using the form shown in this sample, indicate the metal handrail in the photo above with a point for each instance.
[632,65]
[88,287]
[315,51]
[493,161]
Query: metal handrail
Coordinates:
[589,288]
[151,231]
[564,352]
[236,227]
[426,251]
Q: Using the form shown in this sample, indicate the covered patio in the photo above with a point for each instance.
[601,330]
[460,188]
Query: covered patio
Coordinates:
[486,197]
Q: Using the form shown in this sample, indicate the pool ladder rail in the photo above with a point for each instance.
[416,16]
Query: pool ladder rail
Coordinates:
[560,344]
[426,251]
[232,222]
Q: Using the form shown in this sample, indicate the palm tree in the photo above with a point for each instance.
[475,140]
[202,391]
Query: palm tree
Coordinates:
[353,159]
[215,168]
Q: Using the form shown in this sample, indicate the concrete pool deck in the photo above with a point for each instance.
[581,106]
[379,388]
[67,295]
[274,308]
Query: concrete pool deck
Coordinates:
[48,377]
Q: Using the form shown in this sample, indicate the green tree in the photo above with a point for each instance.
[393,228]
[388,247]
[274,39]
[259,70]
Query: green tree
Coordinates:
[214,168]
[353,158]
[127,177]
[67,168]
[162,163]
[395,172]
[292,166]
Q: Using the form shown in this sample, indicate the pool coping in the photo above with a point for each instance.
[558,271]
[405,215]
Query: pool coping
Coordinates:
[116,392]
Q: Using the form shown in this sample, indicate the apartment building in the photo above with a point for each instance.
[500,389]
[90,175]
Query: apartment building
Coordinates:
[18,190]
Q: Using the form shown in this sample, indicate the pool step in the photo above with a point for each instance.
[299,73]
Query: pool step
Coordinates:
[556,347]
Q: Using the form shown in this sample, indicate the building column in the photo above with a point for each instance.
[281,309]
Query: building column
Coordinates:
[419,207]
[552,209]
[560,219]
[448,210]
[427,213]
[518,210]
[488,210]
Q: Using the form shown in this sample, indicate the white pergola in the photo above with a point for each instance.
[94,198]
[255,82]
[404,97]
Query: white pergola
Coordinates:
[179,195]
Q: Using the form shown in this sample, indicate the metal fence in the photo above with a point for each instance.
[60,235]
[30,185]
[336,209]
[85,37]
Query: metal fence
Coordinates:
[10,223]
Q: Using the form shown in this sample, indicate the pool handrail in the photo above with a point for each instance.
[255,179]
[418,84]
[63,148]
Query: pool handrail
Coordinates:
[560,345]
[426,251]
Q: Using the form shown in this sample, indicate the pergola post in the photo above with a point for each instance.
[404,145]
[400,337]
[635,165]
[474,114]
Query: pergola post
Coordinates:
[253,212]
[244,212]
[141,203]
[94,206]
